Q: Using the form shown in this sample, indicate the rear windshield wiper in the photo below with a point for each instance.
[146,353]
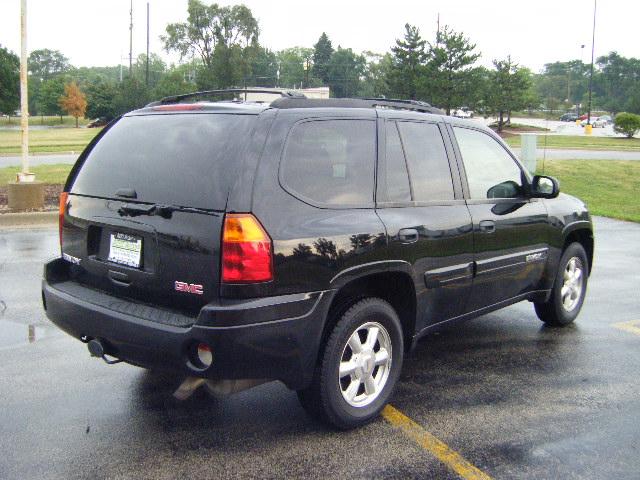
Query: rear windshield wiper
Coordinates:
[165,211]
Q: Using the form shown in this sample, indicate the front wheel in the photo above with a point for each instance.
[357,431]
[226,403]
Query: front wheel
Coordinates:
[569,288]
[358,367]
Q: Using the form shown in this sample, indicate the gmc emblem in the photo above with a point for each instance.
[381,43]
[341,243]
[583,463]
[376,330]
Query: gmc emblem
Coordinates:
[188,288]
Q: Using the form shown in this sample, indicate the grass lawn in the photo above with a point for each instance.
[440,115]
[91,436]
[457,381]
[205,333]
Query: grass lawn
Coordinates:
[52,174]
[581,142]
[608,187]
[49,140]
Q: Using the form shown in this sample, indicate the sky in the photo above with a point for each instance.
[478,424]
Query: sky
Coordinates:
[96,32]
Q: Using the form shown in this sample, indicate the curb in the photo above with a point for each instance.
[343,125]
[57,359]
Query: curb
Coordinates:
[28,219]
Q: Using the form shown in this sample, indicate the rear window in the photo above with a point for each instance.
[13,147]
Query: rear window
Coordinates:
[177,159]
[331,162]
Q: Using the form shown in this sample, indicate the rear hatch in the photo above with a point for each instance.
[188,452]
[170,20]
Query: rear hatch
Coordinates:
[146,204]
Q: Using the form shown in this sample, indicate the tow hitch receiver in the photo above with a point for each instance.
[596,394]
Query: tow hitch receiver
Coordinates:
[96,349]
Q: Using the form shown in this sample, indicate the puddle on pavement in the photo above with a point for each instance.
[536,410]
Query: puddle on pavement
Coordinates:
[14,333]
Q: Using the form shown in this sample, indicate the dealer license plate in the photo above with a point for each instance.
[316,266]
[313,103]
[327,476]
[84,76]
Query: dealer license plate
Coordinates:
[125,249]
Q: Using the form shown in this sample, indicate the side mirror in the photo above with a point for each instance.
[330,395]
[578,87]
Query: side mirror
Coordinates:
[543,186]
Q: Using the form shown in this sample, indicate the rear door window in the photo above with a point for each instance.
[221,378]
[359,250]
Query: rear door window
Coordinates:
[331,162]
[429,169]
[176,159]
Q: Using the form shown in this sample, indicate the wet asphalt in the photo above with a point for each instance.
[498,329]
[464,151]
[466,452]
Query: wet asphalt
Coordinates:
[514,398]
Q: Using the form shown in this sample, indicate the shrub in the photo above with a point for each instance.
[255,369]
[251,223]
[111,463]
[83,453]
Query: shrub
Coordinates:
[627,123]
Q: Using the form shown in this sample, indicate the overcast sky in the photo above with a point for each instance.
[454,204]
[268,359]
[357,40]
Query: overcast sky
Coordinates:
[96,32]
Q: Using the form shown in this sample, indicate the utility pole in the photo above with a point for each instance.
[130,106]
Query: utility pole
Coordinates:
[593,39]
[146,76]
[24,99]
[130,38]
[438,31]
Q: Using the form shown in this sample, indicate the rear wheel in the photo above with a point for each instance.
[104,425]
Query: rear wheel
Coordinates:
[569,288]
[358,367]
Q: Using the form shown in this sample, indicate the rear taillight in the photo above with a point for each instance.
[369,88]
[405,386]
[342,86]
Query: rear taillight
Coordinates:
[61,210]
[246,250]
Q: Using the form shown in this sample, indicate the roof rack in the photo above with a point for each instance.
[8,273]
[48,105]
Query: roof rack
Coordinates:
[297,102]
[205,93]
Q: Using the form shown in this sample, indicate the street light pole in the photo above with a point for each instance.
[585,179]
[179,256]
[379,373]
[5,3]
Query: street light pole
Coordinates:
[593,39]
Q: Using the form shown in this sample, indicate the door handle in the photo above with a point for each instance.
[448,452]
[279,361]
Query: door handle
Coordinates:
[487,226]
[408,235]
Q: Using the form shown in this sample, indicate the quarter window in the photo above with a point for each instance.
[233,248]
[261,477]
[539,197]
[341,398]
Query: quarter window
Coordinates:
[490,170]
[396,178]
[331,162]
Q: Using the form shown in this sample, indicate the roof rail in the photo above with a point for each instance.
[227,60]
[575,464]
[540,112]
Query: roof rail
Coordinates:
[205,93]
[414,105]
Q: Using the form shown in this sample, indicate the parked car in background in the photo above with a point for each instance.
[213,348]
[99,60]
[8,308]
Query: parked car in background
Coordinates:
[463,112]
[606,118]
[596,122]
[569,117]
[98,122]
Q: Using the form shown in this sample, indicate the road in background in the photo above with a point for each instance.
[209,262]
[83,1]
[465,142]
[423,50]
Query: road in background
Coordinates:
[514,398]
[15,161]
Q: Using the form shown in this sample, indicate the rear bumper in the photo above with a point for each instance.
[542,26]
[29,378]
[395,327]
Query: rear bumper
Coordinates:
[274,338]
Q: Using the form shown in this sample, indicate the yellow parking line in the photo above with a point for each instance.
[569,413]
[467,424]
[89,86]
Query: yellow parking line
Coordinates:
[632,327]
[431,444]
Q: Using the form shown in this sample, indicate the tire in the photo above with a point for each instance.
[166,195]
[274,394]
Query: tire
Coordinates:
[568,291]
[367,379]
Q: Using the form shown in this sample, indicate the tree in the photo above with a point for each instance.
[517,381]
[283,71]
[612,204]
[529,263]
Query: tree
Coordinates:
[9,81]
[375,82]
[73,101]
[217,35]
[322,52]
[508,88]
[291,66]
[344,72]
[627,124]
[45,64]
[101,95]
[407,67]
[49,95]
[450,69]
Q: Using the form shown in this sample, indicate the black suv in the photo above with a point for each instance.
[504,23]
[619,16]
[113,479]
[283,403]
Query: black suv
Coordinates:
[303,240]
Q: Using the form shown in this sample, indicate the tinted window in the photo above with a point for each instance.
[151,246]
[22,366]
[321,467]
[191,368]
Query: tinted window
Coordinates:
[491,172]
[331,161]
[427,158]
[181,159]
[396,179]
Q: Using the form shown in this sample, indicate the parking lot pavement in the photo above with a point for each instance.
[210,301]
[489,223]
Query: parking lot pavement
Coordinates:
[511,398]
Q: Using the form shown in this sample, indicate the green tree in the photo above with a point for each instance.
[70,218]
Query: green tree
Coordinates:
[45,64]
[9,81]
[176,81]
[322,52]
[508,88]
[131,94]
[375,81]
[48,96]
[450,70]
[344,72]
[291,66]
[407,66]
[218,36]
[101,94]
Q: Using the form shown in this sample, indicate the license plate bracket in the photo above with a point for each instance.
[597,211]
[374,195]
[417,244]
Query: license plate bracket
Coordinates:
[125,249]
